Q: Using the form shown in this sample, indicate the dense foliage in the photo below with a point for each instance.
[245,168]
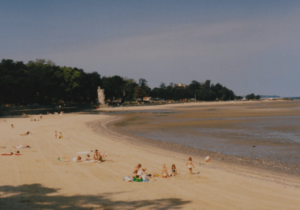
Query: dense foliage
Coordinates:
[252,96]
[43,82]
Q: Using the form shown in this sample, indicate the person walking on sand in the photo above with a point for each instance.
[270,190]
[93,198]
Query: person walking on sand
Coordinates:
[190,165]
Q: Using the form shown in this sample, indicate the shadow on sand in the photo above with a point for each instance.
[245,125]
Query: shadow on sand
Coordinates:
[36,196]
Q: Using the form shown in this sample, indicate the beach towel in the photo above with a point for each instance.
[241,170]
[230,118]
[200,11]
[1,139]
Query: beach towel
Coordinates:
[85,161]
[9,154]
[137,179]
[85,152]
[21,147]
[127,178]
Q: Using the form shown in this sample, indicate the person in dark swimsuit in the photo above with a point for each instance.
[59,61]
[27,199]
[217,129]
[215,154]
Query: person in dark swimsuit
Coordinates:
[174,171]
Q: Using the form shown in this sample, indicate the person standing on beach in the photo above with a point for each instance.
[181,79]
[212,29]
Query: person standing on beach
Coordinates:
[190,165]
[164,173]
[55,134]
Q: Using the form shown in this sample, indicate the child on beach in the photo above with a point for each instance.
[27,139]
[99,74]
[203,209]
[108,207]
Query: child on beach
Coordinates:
[174,171]
[88,157]
[145,175]
[55,134]
[12,125]
[190,165]
[164,172]
[60,135]
[79,159]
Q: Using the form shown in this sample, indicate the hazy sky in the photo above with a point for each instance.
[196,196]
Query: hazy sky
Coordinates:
[249,46]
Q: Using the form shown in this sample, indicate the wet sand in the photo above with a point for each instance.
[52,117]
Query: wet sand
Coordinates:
[37,180]
[261,134]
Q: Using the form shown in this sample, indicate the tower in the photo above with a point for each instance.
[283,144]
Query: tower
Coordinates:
[101,96]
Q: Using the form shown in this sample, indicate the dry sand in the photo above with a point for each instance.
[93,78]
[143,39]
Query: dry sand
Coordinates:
[37,180]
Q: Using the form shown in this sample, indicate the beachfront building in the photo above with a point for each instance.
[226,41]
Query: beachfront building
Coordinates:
[180,85]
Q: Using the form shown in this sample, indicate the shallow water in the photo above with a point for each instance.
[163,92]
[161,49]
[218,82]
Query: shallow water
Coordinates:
[255,139]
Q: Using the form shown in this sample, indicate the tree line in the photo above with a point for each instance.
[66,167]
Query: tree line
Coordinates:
[44,82]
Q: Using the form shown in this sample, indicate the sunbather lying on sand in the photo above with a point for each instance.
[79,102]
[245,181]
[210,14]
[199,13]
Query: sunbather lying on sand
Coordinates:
[25,134]
[79,160]
[16,153]
[22,147]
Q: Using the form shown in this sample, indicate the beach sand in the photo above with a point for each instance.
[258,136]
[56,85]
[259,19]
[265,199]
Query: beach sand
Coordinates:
[37,180]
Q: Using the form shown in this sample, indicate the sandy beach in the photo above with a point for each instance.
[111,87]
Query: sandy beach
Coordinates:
[37,180]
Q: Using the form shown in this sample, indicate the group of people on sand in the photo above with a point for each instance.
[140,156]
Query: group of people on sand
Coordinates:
[140,175]
[17,147]
[96,157]
[60,135]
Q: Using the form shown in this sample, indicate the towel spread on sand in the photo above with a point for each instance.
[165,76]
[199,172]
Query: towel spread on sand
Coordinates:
[86,152]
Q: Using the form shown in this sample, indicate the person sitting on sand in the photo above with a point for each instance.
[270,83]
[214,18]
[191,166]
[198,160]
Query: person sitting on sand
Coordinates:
[60,135]
[96,155]
[88,157]
[21,147]
[190,165]
[79,159]
[26,134]
[207,159]
[145,175]
[138,169]
[12,125]
[174,171]
[136,178]
[103,156]
[164,172]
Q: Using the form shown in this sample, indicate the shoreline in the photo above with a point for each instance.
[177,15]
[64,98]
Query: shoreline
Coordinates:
[271,165]
[233,161]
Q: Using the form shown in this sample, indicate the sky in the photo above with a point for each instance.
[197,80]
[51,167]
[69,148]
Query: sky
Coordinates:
[247,46]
